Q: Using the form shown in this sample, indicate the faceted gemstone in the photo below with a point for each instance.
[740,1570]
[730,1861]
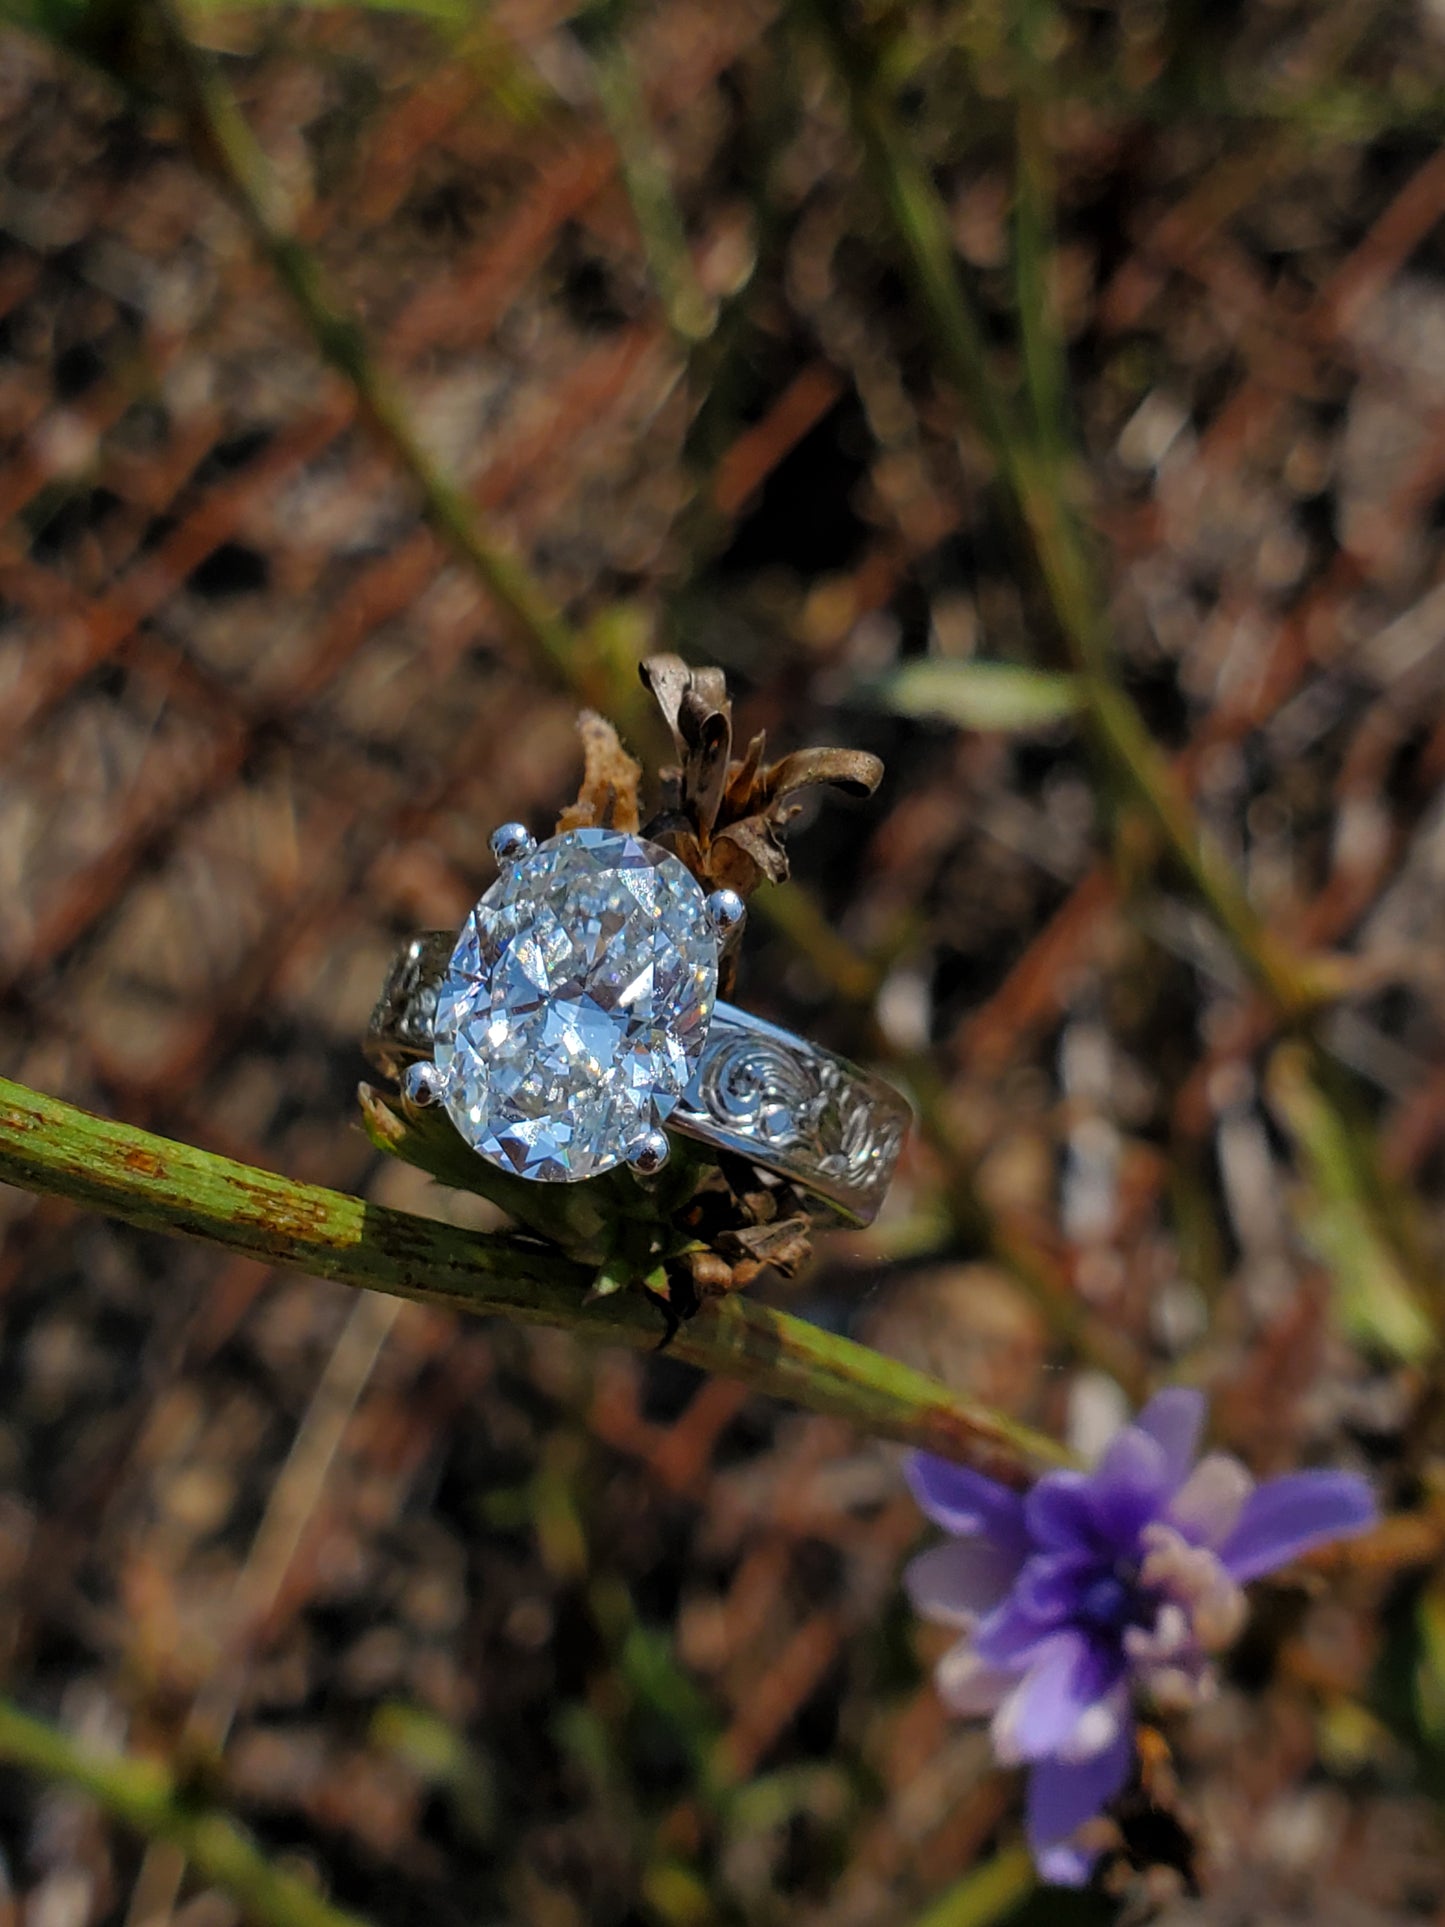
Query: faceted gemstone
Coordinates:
[576,1005]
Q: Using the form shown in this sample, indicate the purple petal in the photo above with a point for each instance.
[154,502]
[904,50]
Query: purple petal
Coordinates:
[1284,1517]
[1175,1421]
[1063,1796]
[1129,1487]
[1206,1508]
[1051,1584]
[965,1503]
[1011,1635]
[968,1687]
[1068,1675]
[1058,1514]
[1064,1866]
[960,1580]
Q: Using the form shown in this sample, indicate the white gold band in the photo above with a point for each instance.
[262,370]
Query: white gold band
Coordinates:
[762,1093]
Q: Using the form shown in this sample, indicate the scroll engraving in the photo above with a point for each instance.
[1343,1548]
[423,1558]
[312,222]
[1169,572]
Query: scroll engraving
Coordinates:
[798,1109]
[401,1025]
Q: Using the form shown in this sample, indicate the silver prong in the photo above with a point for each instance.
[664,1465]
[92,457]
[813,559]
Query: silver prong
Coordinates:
[421,1085]
[651,1154]
[726,912]
[511,842]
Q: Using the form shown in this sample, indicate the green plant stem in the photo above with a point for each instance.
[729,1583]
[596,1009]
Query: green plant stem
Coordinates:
[142,1795]
[51,1147]
[1041,337]
[986,1894]
[1038,481]
[1359,1225]
[1034,477]
[691,314]
[224,139]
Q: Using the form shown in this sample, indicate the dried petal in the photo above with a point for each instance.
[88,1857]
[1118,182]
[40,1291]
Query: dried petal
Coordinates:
[669,678]
[785,1246]
[611,780]
[853,770]
[759,855]
[712,1276]
[724,818]
[695,704]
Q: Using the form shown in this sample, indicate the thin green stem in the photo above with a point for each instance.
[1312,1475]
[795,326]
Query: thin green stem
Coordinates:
[225,140]
[691,313]
[142,1795]
[1045,371]
[1035,481]
[160,1185]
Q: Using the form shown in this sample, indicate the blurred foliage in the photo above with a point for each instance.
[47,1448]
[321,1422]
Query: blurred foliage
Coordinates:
[1063,377]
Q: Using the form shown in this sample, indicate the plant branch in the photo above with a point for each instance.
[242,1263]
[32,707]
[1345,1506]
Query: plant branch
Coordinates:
[691,313]
[160,1185]
[142,1795]
[1035,470]
[225,140]
[1034,478]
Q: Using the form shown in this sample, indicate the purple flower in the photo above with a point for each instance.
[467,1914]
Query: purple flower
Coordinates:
[1099,1586]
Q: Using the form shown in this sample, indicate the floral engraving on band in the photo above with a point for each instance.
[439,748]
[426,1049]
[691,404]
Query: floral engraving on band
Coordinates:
[810,1110]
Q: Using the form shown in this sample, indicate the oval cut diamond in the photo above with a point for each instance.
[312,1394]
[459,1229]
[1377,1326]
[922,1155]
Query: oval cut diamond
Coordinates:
[576,1005]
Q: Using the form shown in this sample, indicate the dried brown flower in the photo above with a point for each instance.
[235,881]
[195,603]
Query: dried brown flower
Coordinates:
[611,780]
[724,817]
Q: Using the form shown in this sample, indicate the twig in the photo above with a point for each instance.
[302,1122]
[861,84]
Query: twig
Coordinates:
[1294,985]
[142,1795]
[294,1500]
[153,1182]
[226,141]
[691,314]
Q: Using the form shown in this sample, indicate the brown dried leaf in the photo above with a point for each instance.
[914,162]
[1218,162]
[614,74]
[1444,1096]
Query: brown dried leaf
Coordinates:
[746,852]
[695,705]
[724,819]
[611,781]
[711,1275]
[853,770]
[785,1246]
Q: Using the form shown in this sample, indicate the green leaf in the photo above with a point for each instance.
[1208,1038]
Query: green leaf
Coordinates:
[980,695]
[613,1276]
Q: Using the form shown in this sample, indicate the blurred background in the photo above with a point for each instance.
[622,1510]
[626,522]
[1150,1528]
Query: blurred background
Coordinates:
[478,1626]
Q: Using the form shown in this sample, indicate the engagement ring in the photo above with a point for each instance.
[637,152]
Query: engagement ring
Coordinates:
[576,1015]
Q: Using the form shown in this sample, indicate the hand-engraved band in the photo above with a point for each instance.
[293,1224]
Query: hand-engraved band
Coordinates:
[780,1102]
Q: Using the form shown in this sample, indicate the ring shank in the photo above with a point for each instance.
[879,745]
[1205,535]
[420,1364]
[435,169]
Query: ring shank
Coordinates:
[762,1093]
